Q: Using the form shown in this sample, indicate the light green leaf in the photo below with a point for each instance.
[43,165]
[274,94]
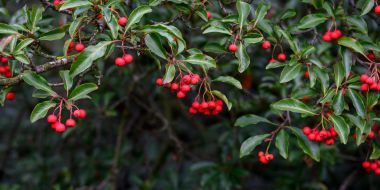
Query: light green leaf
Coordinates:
[69,4]
[293,105]
[40,110]
[340,127]
[243,58]
[250,119]
[312,20]
[290,72]
[201,59]
[67,79]
[7,29]
[282,143]
[217,30]
[243,11]
[136,15]
[357,101]
[23,44]
[38,82]
[367,6]
[155,46]
[229,80]
[251,143]
[352,44]
[170,73]
[82,91]
[55,34]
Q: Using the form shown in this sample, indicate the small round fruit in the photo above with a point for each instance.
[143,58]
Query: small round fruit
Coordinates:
[174,86]
[363,77]
[195,105]
[281,57]
[159,81]
[266,45]
[4,60]
[185,88]
[59,127]
[326,37]
[180,94]
[70,123]
[52,118]
[209,14]
[336,34]
[119,62]
[233,48]
[80,113]
[128,58]
[377,10]
[79,47]
[306,130]
[122,21]
[10,96]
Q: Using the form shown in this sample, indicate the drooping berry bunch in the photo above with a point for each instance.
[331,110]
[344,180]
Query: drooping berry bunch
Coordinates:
[264,158]
[325,135]
[79,47]
[369,83]
[206,107]
[5,69]
[373,166]
[181,87]
[55,117]
[332,35]
[125,59]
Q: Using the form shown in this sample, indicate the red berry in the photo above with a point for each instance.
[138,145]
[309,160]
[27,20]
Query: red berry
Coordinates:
[192,111]
[4,60]
[306,74]
[122,21]
[261,154]
[233,48]
[52,118]
[269,156]
[363,77]
[181,94]
[56,2]
[70,123]
[209,14]
[281,57]
[128,58]
[71,45]
[81,114]
[186,79]
[377,10]
[204,105]
[369,80]
[377,171]
[364,87]
[79,47]
[371,56]
[366,164]
[327,36]
[272,60]
[265,45]
[373,86]
[185,88]
[10,96]
[371,134]
[306,130]
[219,102]
[211,104]
[336,34]
[311,136]
[119,62]
[59,127]
[159,81]
[174,86]
[195,105]
[194,80]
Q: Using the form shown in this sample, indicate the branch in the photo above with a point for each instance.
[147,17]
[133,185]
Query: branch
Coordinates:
[39,69]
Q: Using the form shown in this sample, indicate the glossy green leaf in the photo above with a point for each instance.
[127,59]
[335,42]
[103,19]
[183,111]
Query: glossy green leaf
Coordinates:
[82,91]
[293,105]
[7,29]
[308,147]
[250,119]
[251,143]
[38,82]
[339,73]
[136,15]
[217,30]
[170,73]
[23,44]
[290,72]
[201,59]
[352,44]
[357,101]
[367,6]
[243,11]
[312,20]
[40,110]
[243,58]
[282,143]
[155,46]
[55,34]
[375,152]
[338,103]
[340,127]
[69,4]
[229,80]
[222,97]
[67,79]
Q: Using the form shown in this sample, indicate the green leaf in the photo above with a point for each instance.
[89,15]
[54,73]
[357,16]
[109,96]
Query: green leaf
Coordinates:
[229,80]
[23,44]
[347,61]
[243,58]
[33,16]
[357,101]
[293,105]
[290,72]
[74,26]
[136,15]
[170,73]
[82,91]
[367,6]
[55,34]
[250,119]
[312,20]
[7,29]
[40,110]
[357,23]
[201,59]
[289,39]
[338,103]
[67,79]
[289,13]
[352,44]
[217,30]
[308,147]
[87,57]
[251,143]
[222,97]
[22,58]
[243,11]
[69,4]
[155,46]
[323,76]
[339,73]
[260,13]
[375,152]
[38,82]
[340,127]
[252,38]
[282,143]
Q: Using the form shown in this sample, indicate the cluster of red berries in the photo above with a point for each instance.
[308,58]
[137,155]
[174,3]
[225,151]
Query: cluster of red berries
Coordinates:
[5,69]
[60,127]
[377,9]
[126,59]
[373,166]
[369,83]
[280,57]
[122,21]
[206,108]
[264,158]
[325,135]
[332,35]
[79,47]
[184,85]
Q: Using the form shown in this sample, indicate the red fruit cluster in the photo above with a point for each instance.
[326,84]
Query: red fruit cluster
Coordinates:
[183,86]
[373,166]
[126,59]
[5,69]
[122,21]
[332,35]
[369,83]
[377,10]
[206,108]
[60,127]
[264,158]
[79,47]
[325,135]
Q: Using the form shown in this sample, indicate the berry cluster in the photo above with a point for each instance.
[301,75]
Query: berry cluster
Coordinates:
[5,69]
[332,35]
[373,166]
[59,127]
[325,135]
[183,86]
[79,47]
[206,108]
[126,59]
[264,158]
[369,83]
